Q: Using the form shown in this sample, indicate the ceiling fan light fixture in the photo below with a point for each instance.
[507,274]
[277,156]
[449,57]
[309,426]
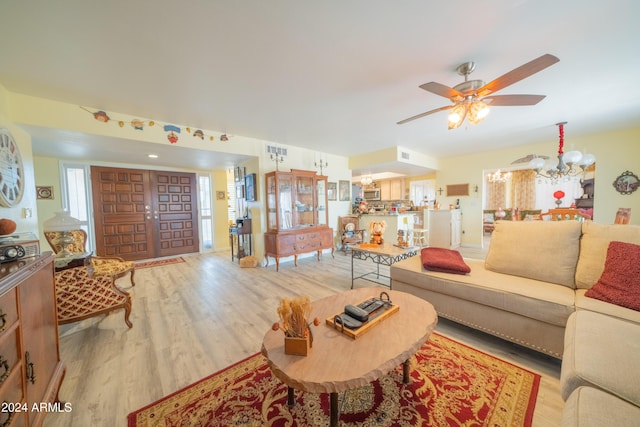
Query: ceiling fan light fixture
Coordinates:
[478,110]
[457,115]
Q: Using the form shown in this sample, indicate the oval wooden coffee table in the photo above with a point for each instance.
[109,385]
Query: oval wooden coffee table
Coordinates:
[338,363]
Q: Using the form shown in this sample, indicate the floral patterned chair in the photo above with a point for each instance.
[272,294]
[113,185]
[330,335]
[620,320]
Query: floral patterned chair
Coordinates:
[79,295]
[114,267]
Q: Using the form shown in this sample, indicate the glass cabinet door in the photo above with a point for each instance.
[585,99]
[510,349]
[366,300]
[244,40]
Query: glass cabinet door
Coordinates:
[272,218]
[321,197]
[285,203]
[304,203]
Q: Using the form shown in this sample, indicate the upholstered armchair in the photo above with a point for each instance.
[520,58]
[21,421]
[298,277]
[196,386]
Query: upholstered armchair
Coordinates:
[114,267]
[80,295]
[350,232]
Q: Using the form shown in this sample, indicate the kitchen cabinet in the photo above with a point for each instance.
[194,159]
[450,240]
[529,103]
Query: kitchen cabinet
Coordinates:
[392,189]
[297,216]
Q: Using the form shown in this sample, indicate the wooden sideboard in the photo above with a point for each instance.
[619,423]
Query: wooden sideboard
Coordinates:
[296,242]
[30,367]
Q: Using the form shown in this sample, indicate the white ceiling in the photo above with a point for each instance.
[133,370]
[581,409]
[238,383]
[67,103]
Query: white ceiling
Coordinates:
[333,76]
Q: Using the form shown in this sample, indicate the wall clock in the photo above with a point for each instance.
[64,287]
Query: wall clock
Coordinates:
[11,170]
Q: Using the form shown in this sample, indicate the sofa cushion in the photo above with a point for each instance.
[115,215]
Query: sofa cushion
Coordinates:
[538,300]
[538,250]
[593,248]
[443,260]
[602,352]
[620,280]
[590,407]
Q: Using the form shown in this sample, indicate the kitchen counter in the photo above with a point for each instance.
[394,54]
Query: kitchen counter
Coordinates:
[395,222]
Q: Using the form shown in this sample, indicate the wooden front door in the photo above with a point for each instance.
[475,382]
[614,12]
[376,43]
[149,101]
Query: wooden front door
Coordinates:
[142,214]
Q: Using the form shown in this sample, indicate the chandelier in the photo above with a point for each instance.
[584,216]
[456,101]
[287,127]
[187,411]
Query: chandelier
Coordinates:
[475,110]
[570,164]
[366,180]
[498,176]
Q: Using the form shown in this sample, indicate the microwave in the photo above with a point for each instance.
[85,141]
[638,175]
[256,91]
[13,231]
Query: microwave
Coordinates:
[371,195]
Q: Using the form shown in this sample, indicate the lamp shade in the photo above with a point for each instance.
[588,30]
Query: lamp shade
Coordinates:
[62,221]
[587,160]
[536,163]
[571,157]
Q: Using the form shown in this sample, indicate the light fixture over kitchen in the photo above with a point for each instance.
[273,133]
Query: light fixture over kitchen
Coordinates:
[366,180]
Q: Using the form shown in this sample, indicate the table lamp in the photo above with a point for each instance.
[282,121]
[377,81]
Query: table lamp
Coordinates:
[63,223]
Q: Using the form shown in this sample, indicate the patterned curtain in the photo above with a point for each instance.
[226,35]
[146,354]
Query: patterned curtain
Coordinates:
[496,195]
[523,189]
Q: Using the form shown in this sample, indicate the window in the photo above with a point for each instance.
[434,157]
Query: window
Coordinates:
[76,197]
[206,218]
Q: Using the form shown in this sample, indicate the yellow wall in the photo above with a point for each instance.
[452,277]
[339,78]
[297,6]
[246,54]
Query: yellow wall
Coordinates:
[615,152]
[19,213]
[67,117]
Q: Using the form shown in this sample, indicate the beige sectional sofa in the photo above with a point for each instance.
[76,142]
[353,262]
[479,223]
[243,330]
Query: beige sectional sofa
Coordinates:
[600,374]
[530,290]
[534,277]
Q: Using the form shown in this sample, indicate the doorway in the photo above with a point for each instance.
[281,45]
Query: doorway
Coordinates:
[141,214]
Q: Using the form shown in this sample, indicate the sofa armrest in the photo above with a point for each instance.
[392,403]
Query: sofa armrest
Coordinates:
[586,303]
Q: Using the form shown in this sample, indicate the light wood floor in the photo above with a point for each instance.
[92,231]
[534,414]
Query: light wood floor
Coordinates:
[195,318]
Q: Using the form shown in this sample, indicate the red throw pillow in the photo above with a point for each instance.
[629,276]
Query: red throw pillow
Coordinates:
[443,260]
[620,280]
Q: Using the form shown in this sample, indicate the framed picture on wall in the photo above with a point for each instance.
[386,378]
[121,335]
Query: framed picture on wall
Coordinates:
[332,190]
[220,195]
[250,187]
[344,191]
[44,192]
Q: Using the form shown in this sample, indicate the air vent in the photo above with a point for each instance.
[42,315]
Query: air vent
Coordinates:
[404,155]
[278,151]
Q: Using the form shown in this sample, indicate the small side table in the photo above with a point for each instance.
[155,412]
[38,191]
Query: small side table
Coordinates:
[242,232]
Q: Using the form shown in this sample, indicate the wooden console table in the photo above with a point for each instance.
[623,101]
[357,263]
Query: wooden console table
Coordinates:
[241,231]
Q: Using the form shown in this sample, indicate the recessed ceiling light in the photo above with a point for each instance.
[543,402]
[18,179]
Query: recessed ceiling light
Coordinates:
[153,156]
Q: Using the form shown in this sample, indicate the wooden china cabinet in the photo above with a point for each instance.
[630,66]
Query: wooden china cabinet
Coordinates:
[297,215]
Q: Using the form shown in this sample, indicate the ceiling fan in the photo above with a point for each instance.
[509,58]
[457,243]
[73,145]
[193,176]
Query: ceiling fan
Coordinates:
[472,98]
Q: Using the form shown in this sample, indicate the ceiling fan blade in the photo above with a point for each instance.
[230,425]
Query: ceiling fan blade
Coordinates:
[442,90]
[401,122]
[520,73]
[513,100]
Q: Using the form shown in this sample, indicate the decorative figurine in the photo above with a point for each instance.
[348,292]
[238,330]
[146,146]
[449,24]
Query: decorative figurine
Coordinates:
[376,228]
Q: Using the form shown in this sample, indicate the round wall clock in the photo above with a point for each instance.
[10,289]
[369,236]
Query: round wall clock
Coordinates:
[11,170]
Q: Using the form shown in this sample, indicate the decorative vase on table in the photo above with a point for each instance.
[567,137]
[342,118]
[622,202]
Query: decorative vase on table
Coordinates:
[298,338]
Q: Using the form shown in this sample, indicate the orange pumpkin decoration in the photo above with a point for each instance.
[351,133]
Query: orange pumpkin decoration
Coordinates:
[7,226]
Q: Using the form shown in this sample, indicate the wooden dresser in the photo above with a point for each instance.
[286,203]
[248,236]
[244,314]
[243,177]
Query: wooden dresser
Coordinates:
[30,368]
[297,215]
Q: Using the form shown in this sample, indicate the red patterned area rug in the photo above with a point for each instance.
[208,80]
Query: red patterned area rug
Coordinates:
[158,262]
[451,385]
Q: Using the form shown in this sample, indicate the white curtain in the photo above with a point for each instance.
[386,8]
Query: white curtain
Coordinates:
[545,190]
